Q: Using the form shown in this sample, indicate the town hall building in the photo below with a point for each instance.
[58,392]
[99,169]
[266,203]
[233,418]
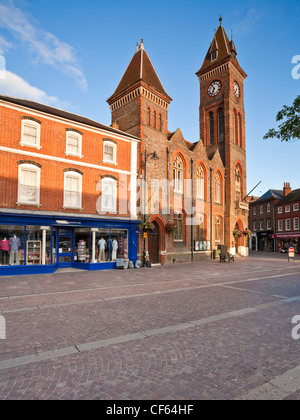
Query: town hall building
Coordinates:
[210,210]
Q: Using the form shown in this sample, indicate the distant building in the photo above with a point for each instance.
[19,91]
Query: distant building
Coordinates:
[262,221]
[287,215]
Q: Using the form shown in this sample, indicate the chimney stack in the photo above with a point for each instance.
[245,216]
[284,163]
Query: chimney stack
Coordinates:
[287,189]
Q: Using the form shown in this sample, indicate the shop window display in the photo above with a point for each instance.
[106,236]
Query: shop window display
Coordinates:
[119,241]
[82,245]
[11,245]
[108,245]
[38,245]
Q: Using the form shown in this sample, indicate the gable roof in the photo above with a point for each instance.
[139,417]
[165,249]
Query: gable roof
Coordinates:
[36,106]
[140,69]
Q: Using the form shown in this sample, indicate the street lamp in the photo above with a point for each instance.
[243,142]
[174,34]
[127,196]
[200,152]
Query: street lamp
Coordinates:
[153,156]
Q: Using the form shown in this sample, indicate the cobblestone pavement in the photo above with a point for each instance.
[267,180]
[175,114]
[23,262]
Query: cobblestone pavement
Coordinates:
[184,332]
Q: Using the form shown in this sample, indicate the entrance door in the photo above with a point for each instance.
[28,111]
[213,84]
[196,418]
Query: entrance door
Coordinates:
[65,247]
[153,245]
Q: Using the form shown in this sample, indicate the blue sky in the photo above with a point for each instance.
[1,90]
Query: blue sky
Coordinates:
[72,54]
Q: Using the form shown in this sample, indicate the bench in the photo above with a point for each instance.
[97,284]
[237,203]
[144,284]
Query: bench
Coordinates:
[227,256]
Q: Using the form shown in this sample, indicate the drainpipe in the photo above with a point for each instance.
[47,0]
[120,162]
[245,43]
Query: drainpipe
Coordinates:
[211,212]
[192,215]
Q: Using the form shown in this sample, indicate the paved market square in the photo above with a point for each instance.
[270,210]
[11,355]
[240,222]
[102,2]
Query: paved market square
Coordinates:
[206,330]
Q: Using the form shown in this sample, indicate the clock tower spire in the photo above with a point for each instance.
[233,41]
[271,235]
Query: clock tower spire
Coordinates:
[222,124]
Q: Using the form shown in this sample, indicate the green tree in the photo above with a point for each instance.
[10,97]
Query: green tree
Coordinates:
[290,129]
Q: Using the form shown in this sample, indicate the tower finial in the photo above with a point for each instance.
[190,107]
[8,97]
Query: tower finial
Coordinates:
[220,20]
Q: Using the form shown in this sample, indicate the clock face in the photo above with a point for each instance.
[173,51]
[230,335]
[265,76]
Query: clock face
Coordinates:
[214,88]
[236,89]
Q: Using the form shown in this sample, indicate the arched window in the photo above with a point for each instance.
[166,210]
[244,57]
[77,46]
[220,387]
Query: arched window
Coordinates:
[240,130]
[235,128]
[149,116]
[211,129]
[154,119]
[217,189]
[238,189]
[29,184]
[178,233]
[178,174]
[160,122]
[72,190]
[218,229]
[200,183]
[221,125]
[109,195]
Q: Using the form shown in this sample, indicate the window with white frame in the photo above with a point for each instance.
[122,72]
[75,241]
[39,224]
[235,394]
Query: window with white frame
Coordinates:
[254,225]
[30,134]
[109,152]
[280,210]
[200,183]
[261,209]
[109,195]
[296,207]
[296,223]
[217,189]
[178,174]
[74,144]
[254,211]
[280,225]
[269,208]
[261,224]
[29,184]
[288,224]
[73,190]
[269,224]
[287,209]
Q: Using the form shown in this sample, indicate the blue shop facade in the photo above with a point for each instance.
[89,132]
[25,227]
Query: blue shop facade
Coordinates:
[33,244]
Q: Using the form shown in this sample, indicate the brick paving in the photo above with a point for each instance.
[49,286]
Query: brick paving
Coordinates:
[192,331]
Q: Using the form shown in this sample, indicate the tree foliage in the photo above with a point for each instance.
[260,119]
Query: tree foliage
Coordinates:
[289,130]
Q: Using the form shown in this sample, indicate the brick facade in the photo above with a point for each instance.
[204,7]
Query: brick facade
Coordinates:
[139,101]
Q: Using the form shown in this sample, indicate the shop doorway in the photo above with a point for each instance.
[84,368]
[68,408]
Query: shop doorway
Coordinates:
[65,257]
[153,244]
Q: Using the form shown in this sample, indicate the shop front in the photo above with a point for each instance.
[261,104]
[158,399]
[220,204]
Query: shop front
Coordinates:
[284,240]
[42,244]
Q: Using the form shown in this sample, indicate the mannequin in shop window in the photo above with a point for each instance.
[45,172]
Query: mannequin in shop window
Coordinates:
[14,243]
[102,247]
[115,247]
[4,251]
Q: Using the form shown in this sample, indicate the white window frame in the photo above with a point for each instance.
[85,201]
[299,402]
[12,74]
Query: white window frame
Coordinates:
[27,166]
[114,146]
[261,224]
[296,207]
[178,174]
[113,209]
[254,210]
[214,55]
[254,225]
[269,224]
[296,223]
[77,175]
[200,183]
[268,207]
[280,210]
[79,138]
[218,186]
[33,124]
[261,209]
[287,209]
[280,225]
[287,224]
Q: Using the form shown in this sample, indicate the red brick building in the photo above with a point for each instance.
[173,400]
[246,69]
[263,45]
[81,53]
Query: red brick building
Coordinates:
[287,215]
[64,183]
[215,166]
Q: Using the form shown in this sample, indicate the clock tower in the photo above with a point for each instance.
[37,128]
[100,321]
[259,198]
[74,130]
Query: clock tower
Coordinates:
[222,127]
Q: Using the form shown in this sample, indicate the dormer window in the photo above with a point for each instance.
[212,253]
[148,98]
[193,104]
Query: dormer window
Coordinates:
[214,55]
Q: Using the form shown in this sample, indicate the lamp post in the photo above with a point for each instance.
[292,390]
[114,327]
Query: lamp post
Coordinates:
[155,157]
